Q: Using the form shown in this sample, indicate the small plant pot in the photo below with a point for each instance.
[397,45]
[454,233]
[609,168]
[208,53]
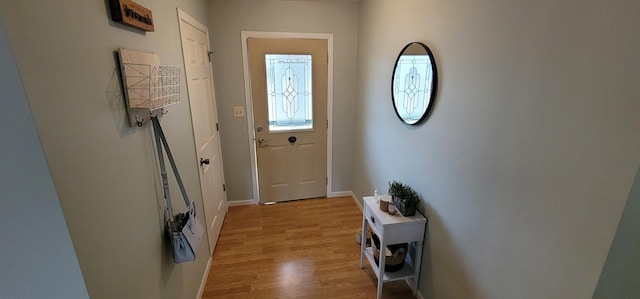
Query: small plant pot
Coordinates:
[404,210]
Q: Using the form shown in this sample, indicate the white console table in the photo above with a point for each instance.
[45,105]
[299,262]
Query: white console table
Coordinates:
[392,229]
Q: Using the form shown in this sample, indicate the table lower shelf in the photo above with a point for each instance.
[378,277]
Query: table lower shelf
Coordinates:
[407,270]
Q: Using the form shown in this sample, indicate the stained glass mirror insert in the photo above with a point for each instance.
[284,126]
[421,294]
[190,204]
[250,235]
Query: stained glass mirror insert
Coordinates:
[289,92]
[414,82]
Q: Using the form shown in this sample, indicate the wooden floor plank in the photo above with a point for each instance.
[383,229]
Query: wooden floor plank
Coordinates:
[297,249]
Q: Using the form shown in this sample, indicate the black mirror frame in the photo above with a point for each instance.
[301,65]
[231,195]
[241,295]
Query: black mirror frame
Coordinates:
[434,84]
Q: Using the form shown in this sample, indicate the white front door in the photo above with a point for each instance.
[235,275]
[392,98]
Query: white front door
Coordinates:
[195,49]
[289,93]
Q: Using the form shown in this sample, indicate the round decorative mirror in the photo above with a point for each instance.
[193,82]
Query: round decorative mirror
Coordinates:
[414,83]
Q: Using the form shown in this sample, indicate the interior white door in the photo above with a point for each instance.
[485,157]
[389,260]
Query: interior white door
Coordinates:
[195,49]
[289,94]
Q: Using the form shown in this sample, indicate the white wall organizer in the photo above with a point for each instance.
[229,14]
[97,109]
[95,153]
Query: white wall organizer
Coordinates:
[148,86]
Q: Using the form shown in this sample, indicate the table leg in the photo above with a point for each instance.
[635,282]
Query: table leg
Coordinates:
[363,240]
[416,267]
[382,257]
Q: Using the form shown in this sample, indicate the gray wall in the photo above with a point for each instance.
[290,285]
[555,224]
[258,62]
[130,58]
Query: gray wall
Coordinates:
[36,246]
[104,171]
[227,19]
[621,272]
[529,155]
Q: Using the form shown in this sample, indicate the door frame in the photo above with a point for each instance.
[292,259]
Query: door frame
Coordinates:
[245,35]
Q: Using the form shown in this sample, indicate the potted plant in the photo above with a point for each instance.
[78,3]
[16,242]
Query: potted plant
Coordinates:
[405,198]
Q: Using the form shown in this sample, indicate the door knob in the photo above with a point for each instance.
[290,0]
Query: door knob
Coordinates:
[293,139]
[204,161]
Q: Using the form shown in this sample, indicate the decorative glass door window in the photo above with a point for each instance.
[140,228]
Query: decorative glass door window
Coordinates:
[289,92]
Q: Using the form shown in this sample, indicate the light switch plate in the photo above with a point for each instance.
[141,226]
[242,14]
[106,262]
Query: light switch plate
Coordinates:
[238,111]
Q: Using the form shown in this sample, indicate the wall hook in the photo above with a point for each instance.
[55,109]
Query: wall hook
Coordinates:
[139,121]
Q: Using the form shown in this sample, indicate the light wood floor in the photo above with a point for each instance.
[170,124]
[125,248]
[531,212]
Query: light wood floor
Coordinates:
[298,249]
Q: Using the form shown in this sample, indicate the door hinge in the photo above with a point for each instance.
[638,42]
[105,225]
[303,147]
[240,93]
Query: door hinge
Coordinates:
[210,53]
[224,187]
[327,123]
[326,181]
[217,127]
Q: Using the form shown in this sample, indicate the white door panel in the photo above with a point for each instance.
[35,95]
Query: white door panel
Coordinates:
[292,159]
[195,47]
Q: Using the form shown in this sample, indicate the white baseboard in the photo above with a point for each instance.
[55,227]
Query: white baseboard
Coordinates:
[347,193]
[358,203]
[246,202]
[203,283]
[340,194]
